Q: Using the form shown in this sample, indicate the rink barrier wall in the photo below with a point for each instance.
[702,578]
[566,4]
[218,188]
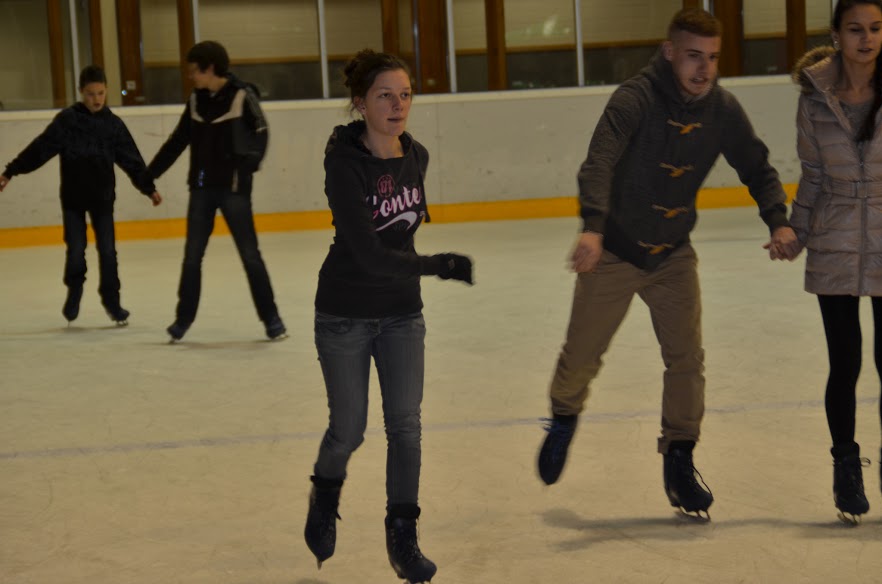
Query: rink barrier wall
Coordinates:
[296,221]
[493,155]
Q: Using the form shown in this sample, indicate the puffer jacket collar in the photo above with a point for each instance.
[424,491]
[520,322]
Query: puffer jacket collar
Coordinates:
[817,73]
[818,70]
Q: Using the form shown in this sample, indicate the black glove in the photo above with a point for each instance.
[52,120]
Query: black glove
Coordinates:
[455,267]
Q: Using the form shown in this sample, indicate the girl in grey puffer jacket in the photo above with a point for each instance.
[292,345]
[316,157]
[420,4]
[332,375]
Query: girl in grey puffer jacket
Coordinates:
[837,214]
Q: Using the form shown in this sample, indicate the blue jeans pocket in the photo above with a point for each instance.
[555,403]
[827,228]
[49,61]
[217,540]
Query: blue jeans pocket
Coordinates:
[338,325]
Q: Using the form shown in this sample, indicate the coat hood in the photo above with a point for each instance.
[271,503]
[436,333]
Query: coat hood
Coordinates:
[346,140]
[817,69]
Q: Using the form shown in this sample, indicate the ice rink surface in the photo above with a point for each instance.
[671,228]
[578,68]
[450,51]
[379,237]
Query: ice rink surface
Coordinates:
[126,460]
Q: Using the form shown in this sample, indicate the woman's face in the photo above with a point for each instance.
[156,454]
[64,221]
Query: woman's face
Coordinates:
[387,104]
[860,33]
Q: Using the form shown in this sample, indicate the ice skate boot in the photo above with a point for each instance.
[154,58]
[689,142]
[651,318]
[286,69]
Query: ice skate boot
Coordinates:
[681,485]
[320,532]
[118,314]
[553,454]
[401,543]
[275,329]
[176,331]
[848,483]
[71,308]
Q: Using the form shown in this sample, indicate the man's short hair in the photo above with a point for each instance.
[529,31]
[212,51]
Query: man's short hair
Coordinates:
[209,53]
[92,74]
[696,21]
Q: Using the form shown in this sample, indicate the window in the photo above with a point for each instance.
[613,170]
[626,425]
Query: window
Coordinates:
[27,79]
[765,38]
[818,16]
[621,37]
[272,43]
[351,25]
[160,54]
[540,39]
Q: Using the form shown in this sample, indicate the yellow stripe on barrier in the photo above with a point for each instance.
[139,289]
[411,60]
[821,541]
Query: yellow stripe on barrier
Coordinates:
[715,198]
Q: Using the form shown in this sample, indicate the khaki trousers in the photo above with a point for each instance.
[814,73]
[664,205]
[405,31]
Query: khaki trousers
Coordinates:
[600,303]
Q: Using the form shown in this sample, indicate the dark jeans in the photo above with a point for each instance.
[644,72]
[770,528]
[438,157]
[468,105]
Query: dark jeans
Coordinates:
[345,347]
[75,261]
[236,209]
[843,329]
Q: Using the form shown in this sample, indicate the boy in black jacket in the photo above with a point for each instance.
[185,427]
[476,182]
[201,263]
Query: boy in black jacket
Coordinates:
[90,139]
[226,131]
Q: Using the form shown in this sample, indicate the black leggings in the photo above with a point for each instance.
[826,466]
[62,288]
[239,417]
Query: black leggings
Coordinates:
[843,328]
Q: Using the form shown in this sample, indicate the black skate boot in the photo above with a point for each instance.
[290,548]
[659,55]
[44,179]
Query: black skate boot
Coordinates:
[118,314]
[681,486]
[553,454]
[401,543]
[848,482]
[275,329]
[321,522]
[71,308]
[177,330]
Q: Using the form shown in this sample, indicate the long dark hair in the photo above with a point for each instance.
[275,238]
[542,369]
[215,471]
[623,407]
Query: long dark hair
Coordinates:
[869,127]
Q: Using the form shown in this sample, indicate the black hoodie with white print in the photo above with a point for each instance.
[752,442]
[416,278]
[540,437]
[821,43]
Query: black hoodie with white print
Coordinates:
[372,269]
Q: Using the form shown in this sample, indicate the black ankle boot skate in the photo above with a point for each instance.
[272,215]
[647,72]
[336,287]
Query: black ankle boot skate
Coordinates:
[401,543]
[848,482]
[553,454]
[321,522]
[681,485]
[71,308]
[177,330]
[118,314]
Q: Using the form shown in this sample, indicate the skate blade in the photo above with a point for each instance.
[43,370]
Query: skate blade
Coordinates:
[849,519]
[281,337]
[319,563]
[122,323]
[695,516]
[174,341]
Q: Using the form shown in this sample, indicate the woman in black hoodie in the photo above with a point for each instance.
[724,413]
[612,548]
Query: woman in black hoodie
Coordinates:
[368,304]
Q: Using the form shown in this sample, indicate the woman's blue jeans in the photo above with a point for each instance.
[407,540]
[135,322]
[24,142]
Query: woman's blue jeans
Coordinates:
[397,345]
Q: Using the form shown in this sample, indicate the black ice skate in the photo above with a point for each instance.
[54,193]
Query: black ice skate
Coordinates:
[275,329]
[404,553]
[553,454]
[321,522]
[71,308]
[118,314]
[848,483]
[681,485]
[176,331]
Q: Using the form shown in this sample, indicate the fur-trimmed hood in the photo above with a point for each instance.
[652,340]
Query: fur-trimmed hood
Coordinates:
[810,68]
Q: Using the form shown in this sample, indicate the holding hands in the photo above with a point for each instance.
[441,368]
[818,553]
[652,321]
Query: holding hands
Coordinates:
[784,245]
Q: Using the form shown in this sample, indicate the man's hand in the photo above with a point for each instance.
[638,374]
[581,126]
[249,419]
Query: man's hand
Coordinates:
[588,250]
[784,245]
[4,180]
[156,198]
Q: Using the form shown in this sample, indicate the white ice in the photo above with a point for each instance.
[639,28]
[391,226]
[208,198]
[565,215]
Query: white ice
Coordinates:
[126,460]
